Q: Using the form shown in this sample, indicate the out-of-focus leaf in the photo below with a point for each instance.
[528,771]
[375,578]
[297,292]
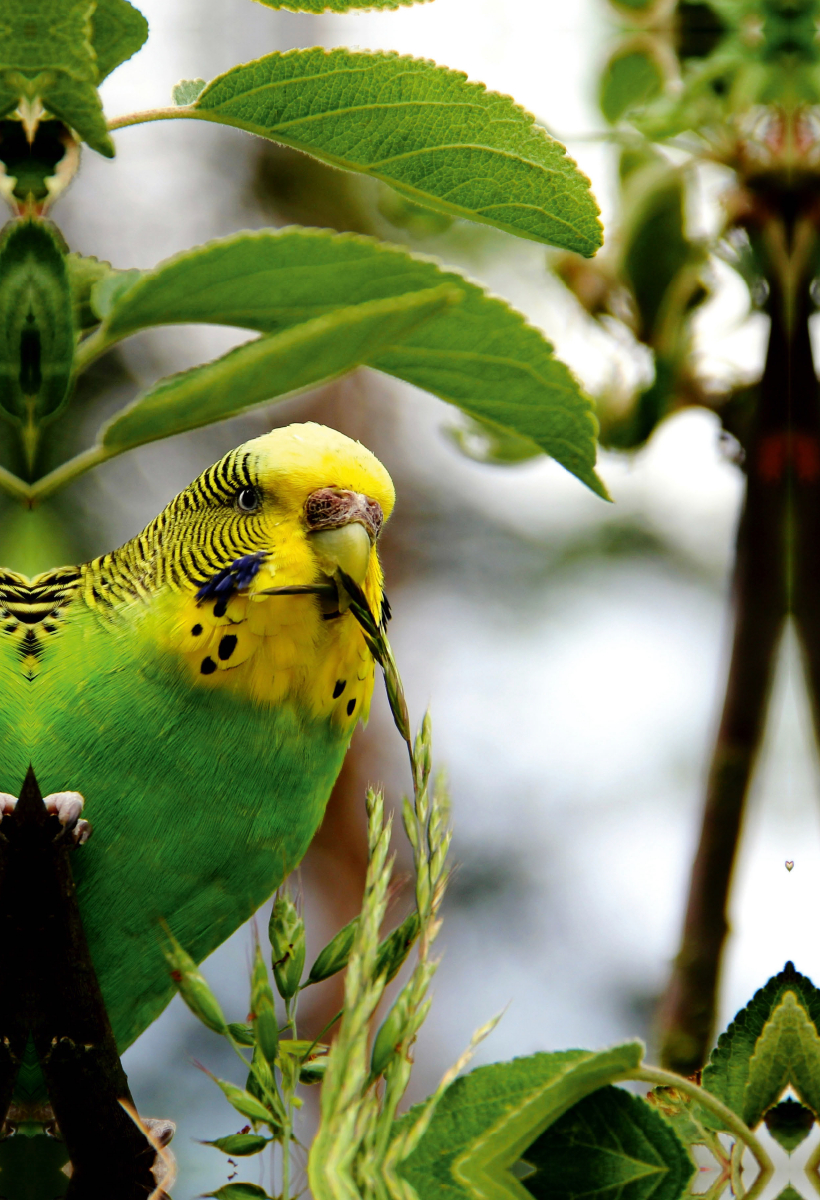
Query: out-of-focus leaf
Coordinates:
[118,31]
[243,1101]
[240,1191]
[83,274]
[486,1120]
[629,79]
[240,1144]
[655,247]
[46,56]
[727,1073]
[424,129]
[485,442]
[479,355]
[36,321]
[609,1146]
[187,90]
[271,367]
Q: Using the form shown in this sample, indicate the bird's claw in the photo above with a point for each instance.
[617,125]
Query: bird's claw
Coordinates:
[67,806]
[8,803]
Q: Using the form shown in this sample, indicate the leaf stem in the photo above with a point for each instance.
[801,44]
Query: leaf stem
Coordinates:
[153,114]
[67,472]
[14,486]
[661,1078]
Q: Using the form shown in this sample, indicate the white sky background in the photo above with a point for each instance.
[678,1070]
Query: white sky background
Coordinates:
[576,722]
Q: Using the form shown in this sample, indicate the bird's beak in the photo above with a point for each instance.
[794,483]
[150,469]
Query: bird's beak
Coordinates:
[343,527]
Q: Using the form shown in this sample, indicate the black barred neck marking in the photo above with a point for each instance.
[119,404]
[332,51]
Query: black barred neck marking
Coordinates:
[31,610]
[202,532]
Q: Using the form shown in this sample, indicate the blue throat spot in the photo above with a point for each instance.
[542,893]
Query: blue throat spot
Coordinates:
[235,578]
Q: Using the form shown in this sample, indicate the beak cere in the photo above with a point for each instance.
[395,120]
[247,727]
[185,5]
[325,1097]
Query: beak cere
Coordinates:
[343,526]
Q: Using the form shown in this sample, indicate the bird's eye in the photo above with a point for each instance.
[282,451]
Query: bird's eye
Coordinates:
[247,500]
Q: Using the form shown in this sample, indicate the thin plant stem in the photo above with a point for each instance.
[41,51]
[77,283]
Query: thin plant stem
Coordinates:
[660,1078]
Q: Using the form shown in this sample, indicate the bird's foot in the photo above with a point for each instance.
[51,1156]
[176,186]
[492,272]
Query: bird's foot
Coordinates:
[8,803]
[67,806]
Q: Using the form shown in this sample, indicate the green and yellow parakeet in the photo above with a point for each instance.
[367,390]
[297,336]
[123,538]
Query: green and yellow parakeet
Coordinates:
[203,720]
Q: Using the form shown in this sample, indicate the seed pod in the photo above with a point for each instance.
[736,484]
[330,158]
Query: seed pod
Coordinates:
[287,939]
[388,1037]
[193,987]
[263,1010]
[396,946]
[240,1145]
[242,1034]
[335,954]
[243,1101]
[313,1070]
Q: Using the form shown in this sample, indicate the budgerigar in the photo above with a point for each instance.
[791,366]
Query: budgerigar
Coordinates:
[203,721]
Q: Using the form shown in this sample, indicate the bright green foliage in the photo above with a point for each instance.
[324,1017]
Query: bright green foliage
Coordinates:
[118,31]
[787,1052]
[36,324]
[611,1146]
[271,367]
[630,78]
[193,987]
[790,1193]
[478,354]
[486,1120]
[736,1074]
[46,55]
[424,129]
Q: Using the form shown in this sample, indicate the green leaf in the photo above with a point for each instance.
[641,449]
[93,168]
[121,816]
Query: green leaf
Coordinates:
[630,78]
[789,1123]
[83,274]
[187,90]
[486,1120]
[486,442]
[46,55]
[610,1146]
[240,1145]
[424,129]
[728,1071]
[787,1052]
[108,290]
[270,367]
[479,355]
[240,1191]
[36,322]
[118,31]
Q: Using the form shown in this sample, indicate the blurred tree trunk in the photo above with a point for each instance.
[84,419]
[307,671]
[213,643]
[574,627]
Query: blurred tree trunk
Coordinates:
[777,573]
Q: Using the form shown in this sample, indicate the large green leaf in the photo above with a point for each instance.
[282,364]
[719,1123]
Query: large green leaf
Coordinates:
[46,56]
[480,355]
[728,1071]
[424,129]
[118,31]
[609,1146]
[270,367]
[36,322]
[786,1053]
[487,1120]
